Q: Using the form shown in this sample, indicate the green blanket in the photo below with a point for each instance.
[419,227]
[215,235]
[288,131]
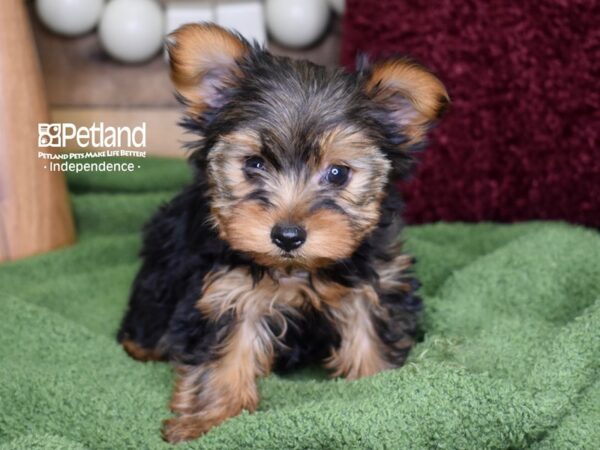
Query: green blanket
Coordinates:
[511,358]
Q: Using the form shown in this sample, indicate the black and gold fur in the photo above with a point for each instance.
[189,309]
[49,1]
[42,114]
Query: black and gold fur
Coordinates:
[225,294]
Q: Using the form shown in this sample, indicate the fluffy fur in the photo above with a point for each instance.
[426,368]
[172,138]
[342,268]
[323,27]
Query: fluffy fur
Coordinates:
[280,143]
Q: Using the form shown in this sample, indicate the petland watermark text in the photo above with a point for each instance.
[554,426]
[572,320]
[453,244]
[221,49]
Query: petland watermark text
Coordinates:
[103,142]
[63,135]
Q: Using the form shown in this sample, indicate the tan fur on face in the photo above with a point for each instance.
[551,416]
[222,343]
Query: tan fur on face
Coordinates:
[400,78]
[348,146]
[226,160]
[202,57]
[248,228]
[229,185]
[331,235]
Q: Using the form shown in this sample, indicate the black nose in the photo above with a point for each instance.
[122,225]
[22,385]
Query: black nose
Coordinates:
[288,237]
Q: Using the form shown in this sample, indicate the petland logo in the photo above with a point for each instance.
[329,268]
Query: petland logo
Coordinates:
[63,135]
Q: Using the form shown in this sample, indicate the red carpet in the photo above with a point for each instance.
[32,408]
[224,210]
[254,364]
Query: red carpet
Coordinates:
[521,139]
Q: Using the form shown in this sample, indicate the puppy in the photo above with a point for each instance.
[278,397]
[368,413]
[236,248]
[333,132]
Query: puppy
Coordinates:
[284,250]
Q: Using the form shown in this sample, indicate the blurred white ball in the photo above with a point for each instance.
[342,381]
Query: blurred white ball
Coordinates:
[132,31]
[69,17]
[297,23]
[339,6]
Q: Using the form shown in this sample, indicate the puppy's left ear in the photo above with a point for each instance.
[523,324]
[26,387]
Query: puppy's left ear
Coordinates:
[204,63]
[411,96]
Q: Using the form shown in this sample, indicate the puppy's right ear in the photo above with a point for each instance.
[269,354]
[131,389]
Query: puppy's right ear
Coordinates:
[203,60]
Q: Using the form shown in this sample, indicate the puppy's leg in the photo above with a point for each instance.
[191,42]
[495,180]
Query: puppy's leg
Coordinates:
[147,317]
[207,394]
[371,340]
[361,352]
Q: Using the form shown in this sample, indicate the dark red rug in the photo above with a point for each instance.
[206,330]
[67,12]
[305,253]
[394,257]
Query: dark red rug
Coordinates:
[521,139]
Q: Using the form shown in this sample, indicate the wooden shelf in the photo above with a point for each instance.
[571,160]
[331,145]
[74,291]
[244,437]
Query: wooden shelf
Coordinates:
[79,74]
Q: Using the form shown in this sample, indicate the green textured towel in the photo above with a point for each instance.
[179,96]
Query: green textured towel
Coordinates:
[511,357]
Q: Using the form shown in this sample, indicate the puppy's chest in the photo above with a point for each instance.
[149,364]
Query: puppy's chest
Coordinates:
[299,288]
[276,291]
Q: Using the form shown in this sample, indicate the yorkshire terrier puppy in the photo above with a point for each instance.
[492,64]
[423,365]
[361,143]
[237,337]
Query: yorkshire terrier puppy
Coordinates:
[284,250]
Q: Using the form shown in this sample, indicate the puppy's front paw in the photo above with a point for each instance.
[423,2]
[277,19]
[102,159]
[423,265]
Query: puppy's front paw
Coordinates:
[184,428]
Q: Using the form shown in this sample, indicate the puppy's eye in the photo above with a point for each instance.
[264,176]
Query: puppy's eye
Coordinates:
[337,175]
[255,163]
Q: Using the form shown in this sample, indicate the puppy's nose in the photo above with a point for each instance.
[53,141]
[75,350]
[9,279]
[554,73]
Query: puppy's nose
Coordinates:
[288,237]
